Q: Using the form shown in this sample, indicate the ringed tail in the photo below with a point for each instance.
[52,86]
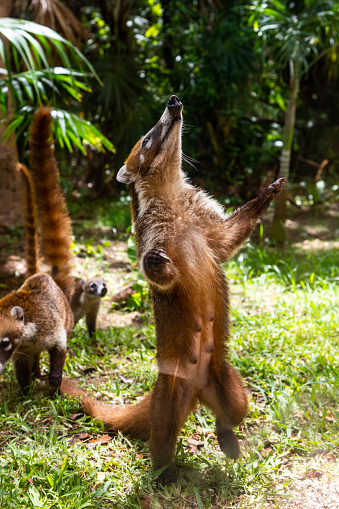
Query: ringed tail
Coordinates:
[132,420]
[54,220]
[32,249]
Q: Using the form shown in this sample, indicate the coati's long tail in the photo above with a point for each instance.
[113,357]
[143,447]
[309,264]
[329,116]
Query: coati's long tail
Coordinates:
[32,249]
[132,420]
[55,224]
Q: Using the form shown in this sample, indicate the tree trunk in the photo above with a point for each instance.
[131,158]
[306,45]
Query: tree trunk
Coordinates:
[279,232]
[11,185]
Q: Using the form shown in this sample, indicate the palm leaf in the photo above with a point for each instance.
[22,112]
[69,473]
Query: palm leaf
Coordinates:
[68,129]
[19,33]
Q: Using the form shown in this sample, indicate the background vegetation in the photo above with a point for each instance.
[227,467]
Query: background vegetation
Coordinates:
[234,65]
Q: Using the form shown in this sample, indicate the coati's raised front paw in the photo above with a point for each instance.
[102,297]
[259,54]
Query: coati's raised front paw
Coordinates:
[269,193]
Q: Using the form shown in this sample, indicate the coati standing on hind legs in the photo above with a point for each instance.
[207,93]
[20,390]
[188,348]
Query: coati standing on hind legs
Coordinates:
[182,238]
[83,295]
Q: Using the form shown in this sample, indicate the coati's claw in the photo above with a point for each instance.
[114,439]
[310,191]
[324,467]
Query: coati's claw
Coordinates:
[276,186]
[269,193]
[155,259]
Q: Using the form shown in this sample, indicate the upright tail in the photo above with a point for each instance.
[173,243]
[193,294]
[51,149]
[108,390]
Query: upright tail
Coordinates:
[32,249]
[55,224]
[132,420]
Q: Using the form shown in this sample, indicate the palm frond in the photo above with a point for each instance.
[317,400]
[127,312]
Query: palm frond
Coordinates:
[19,34]
[68,130]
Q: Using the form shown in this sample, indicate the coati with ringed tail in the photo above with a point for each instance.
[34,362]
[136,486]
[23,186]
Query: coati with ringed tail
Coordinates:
[35,318]
[83,295]
[182,238]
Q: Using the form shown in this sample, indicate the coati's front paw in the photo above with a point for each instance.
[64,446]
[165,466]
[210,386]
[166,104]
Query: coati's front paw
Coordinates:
[54,383]
[269,193]
[159,268]
[155,260]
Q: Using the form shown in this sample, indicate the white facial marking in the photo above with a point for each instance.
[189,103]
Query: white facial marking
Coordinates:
[1,366]
[142,158]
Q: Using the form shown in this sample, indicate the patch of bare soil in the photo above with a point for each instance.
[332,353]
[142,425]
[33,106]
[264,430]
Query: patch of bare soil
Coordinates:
[314,486]
[314,227]
[313,494]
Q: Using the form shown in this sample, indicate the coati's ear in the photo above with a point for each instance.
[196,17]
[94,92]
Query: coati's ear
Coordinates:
[82,284]
[126,175]
[18,313]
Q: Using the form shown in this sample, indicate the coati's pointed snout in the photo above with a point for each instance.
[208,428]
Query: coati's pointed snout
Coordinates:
[174,103]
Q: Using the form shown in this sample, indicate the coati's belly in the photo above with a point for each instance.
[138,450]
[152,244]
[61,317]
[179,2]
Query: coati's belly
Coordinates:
[191,316]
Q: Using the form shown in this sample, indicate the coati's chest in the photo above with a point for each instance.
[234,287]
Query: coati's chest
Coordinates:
[190,316]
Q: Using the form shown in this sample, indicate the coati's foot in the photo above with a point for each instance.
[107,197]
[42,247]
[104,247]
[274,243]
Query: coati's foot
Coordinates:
[268,194]
[228,442]
[167,477]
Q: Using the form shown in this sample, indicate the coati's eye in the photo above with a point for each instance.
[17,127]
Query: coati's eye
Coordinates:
[145,142]
[5,343]
[92,287]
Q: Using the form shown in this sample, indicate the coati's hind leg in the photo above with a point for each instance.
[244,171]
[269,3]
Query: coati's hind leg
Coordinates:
[171,403]
[228,400]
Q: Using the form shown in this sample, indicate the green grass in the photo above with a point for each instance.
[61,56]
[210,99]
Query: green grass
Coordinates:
[285,325]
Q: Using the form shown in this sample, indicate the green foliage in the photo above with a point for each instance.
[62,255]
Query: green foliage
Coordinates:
[31,79]
[297,31]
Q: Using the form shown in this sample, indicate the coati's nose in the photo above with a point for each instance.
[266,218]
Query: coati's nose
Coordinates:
[174,102]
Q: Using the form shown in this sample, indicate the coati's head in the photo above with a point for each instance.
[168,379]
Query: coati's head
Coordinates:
[94,287]
[156,156]
[12,330]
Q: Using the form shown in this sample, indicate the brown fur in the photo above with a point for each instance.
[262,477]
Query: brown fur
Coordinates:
[32,250]
[34,318]
[55,225]
[182,237]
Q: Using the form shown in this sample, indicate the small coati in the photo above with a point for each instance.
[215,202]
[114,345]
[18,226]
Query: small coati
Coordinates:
[86,299]
[35,318]
[83,295]
[182,236]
